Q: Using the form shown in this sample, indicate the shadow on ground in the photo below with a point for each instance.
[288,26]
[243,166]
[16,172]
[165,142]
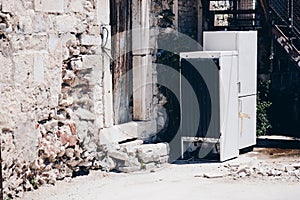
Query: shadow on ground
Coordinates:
[278,143]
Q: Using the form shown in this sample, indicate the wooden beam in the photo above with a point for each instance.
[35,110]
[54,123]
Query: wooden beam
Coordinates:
[142,60]
[142,87]
[141,27]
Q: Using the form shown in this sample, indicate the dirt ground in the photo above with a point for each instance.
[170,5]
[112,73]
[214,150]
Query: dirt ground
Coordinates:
[264,173]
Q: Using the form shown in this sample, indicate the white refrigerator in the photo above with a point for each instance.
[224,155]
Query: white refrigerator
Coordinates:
[216,72]
[245,43]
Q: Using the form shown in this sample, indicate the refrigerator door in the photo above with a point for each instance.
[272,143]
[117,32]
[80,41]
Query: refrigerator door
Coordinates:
[247,121]
[245,43]
[247,71]
[228,108]
[200,118]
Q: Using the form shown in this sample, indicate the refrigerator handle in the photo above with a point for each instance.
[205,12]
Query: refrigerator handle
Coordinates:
[239,86]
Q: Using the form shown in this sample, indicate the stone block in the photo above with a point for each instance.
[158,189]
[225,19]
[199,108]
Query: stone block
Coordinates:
[108,164]
[26,148]
[86,164]
[98,94]
[117,134]
[3,27]
[54,92]
[149,166]
[84,114]
[52,6]
[69,152]
[130,146]
[88,6]
[289,168]
[82,129]
[118,155]
[25,24]
[274,172]
[94,29]
[146,129]
[296,165]
[27,104]
[213,175]
[67,23]
[90,40]
[38,68]
[69,39]
[132,162]
[24,68]
[152,152]
[92,61]
[36,42]
[76,64]
[99,121]
[40,23]
[130,130]
[76,6]
[6,72]
[280,167]
[54,44]
[163,160]
[102,12]
[8,6]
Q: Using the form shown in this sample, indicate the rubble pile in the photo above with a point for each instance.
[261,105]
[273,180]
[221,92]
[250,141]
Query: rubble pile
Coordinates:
[264,170]
[14,171]
[58,156]
[61,154]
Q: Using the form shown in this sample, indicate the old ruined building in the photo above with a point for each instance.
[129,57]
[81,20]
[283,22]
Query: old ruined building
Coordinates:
[66,97]
[78,87]
[78,82]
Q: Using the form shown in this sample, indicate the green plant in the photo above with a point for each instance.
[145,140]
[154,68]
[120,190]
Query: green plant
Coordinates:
[263,104]
[143,165]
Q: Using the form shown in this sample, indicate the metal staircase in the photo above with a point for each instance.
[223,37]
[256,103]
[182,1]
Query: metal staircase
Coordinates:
[285,15]
[284,18]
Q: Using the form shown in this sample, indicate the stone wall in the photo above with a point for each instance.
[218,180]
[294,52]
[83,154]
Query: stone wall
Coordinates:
[56,96]
[52,88]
